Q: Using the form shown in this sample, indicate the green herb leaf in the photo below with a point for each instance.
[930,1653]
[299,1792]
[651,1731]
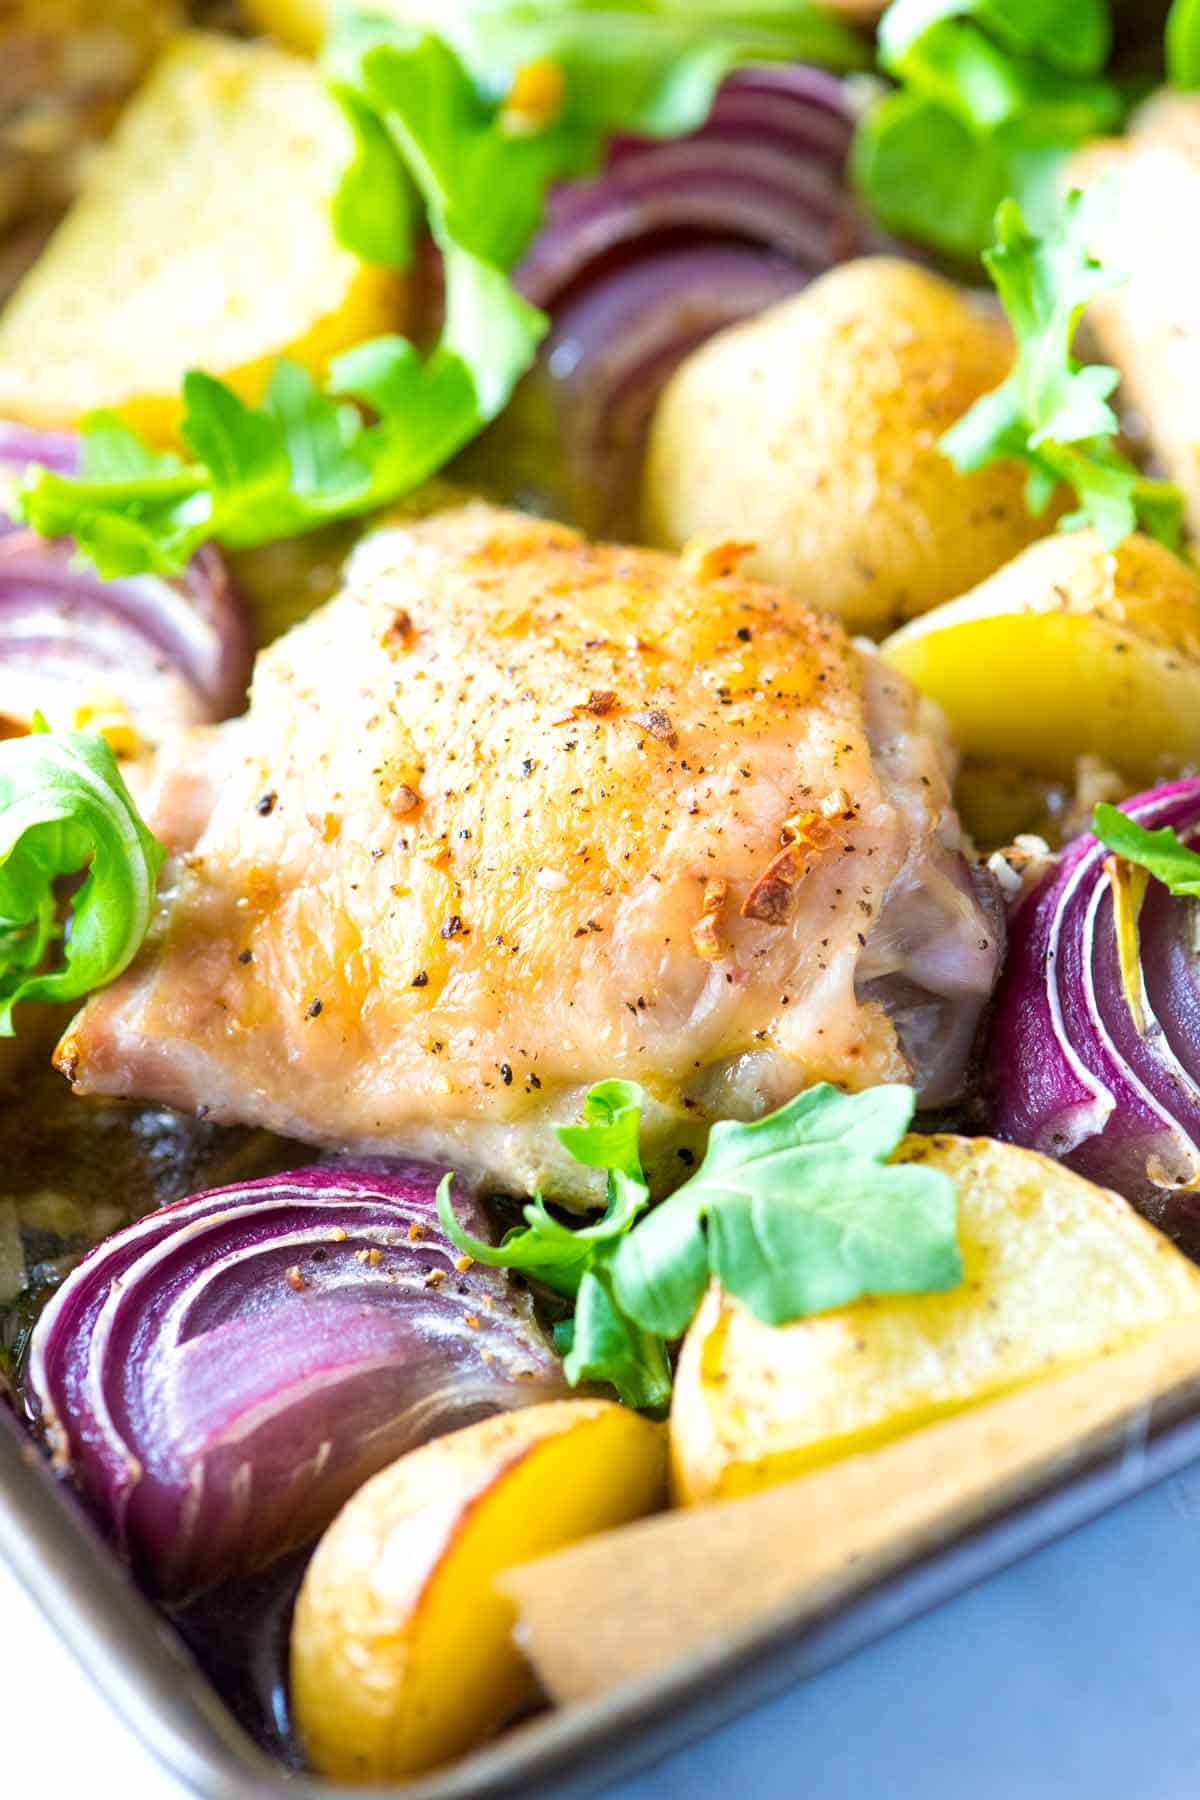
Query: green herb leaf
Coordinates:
[926,175]
[994,95]
[802,1213]
[1183,44]
[608,1346]
[793,1214]
[547,1250]
[1160,852]
[601,1344]
[376,214]
[64,808]
[1052,413]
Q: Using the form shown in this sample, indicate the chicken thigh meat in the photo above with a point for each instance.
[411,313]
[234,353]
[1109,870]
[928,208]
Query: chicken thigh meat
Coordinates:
[515,812]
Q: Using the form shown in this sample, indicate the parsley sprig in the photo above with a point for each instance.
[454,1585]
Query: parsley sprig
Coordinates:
[1052,412]
[793,1214]
[434,149]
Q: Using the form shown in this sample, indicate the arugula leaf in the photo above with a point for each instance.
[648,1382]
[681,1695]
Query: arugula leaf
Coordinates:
[64,807]
[1052,413]
[557,1254]
[994,94]
[375,209]
[802,1214]
[433,146]
[1183,44]
[1159,852]
[793,1214]
[606,1345]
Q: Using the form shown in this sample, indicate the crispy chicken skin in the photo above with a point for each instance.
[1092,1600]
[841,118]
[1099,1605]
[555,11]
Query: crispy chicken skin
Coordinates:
[515,812]
[1148,325]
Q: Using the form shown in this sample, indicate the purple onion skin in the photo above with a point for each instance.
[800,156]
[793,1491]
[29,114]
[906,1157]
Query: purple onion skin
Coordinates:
[220,1377]
[176,651]
[1069,1073]
[677,239]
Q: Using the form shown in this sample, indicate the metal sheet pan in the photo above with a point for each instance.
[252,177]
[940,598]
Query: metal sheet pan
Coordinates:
[141,1666]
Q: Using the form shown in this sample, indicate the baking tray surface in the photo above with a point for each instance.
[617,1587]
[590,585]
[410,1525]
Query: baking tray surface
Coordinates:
[143,1668]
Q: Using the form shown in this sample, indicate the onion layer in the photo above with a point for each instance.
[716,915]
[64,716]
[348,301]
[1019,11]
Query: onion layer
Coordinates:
[165,653]
[1073,1071]
[221,1376]
[674,240]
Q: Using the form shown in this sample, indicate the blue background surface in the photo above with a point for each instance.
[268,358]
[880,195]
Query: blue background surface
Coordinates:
[1074,1673]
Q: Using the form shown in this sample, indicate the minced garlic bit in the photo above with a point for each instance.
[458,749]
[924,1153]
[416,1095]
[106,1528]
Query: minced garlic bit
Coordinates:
[402,800]
[435,1278]
[295,1278]
[1020,865]
[338,1235]
[463,1263]
[415,1232]
[706,938]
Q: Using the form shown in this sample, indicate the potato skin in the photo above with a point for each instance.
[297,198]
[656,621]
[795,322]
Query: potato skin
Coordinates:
[813,430]
[1069,650]
[402,1646]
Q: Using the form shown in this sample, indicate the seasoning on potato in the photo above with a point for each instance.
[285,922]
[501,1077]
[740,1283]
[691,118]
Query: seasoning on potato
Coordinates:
[814,429]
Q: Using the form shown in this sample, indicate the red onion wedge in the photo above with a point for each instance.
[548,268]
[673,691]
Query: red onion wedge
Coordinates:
[164,653]
[221,1376]
[674,240]
[1073,1071]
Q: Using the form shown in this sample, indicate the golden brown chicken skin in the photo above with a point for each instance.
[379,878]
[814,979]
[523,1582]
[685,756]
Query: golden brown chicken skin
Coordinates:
[1147,323]
[515,812]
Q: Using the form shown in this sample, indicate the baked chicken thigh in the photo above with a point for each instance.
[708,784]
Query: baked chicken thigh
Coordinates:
[515,812]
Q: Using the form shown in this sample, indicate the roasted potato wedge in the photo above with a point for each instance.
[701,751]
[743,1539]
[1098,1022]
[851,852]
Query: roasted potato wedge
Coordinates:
[202,240]
[402,1650]
[1070,650]
[813,431]
[1056,1271]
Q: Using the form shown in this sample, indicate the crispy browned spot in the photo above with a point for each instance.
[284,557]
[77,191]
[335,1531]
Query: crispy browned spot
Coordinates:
[400,632]
[807,837]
